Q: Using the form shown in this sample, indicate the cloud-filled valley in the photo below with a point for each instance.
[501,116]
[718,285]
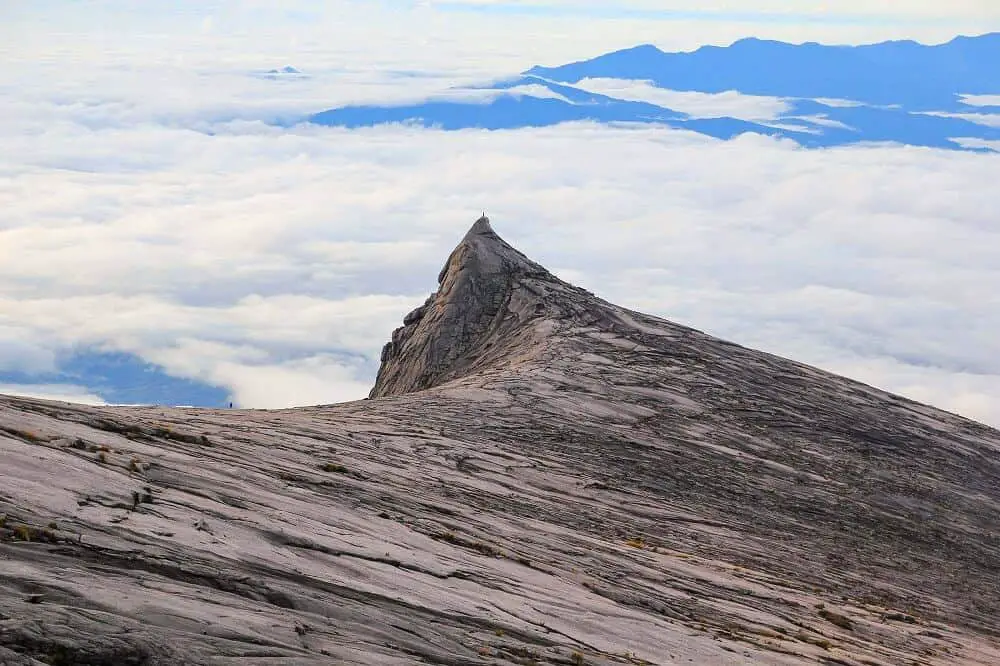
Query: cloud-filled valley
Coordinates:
[176,228]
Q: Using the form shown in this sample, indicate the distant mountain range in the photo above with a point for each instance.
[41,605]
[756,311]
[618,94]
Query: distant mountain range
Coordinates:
[943,96]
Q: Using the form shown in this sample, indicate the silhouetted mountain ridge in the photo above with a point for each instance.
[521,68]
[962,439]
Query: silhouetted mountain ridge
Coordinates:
[901,92]
[921,77]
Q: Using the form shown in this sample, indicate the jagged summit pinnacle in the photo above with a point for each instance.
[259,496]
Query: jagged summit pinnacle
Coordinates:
[481,226]
[489,293]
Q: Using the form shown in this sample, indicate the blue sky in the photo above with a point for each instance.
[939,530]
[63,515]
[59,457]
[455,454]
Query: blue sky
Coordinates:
[153,210]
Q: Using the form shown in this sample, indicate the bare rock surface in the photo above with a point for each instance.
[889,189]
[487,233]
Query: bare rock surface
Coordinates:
[541,477]
[480,317]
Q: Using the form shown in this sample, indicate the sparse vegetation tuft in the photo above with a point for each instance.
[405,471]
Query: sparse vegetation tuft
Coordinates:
[478,546]
[117,428]
[837,619]
[901,617]
[165,432]
[26,435]
[820,642]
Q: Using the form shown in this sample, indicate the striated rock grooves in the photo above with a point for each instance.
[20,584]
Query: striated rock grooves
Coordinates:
[542,478]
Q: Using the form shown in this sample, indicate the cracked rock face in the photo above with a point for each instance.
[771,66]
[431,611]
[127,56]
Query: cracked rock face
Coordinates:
[480,317]
[542,477]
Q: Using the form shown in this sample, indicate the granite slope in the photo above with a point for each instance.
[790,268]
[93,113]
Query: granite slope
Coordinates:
[539,477]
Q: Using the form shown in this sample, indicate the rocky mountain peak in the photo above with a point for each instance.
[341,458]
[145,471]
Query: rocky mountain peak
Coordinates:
[488,296]
[482,226]
[627,479]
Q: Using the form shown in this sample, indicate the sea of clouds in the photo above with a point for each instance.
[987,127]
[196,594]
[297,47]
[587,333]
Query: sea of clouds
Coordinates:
[157,198]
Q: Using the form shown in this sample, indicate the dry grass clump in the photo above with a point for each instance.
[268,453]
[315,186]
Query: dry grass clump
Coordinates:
[806,638]
[478,546]
[836,618]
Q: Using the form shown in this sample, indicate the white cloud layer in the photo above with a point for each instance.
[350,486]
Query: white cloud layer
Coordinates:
[988,119]
[146,208]
[64,392]
[901,9]
[468,95]
[697,104]
[981,100]
[425,36]
[978,143]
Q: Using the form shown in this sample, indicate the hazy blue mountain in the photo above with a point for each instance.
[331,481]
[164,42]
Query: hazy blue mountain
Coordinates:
[896,92]
[917,76]
[502,112]
[286,72]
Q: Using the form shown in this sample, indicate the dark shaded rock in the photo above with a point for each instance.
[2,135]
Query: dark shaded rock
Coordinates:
[486,298]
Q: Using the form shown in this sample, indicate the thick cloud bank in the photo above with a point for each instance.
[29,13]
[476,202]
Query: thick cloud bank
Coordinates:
[165,237]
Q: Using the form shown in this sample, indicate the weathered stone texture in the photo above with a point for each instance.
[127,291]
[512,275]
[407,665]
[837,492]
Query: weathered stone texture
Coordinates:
[541,477]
